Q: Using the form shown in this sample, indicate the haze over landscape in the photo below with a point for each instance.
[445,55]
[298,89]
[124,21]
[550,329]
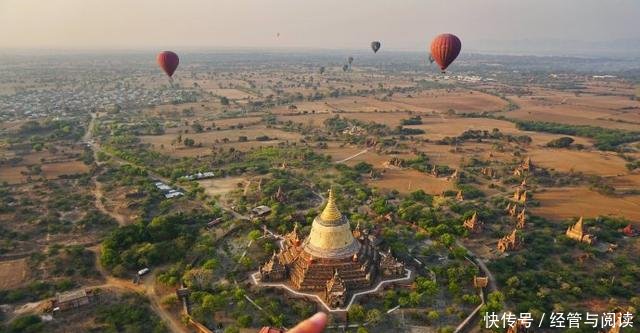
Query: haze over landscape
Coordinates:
[532,27]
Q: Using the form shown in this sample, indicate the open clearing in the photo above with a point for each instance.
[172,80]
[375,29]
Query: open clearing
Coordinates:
[410,180]
[13,273]
[590,162]
[13,175]
[565,203]
[605,111]
[55,170]
[221,186]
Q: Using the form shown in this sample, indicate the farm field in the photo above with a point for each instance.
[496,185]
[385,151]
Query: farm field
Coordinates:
[565,203]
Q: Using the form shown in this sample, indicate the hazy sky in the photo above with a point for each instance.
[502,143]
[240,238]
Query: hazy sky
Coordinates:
[331,24]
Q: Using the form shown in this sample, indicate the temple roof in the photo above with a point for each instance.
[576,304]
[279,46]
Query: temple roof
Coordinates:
[330,235]
[331,212]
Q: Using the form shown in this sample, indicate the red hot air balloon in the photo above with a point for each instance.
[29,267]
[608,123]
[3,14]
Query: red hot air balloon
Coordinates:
[168,61]
[445,49]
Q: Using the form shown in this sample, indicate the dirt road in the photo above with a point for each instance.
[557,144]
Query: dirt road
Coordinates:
[147,287]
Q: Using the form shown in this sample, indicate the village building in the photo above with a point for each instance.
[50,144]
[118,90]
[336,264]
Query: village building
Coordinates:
[73,299]
[332,261]
[260,211]
[576,232]
[510,242]
[473,224]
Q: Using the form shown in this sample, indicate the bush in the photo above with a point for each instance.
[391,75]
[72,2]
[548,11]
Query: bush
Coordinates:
[356,313]
[562,142]
[26,324]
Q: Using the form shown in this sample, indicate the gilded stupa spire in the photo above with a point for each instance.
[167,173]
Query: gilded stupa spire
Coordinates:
[578,225]
[331,212]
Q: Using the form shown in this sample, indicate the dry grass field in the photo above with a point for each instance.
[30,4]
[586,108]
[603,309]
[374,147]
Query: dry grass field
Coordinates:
[221,186]
[13,273]
[55,170]
[611,111]
[409,180]
[590,162]
[13,174]
[166,143]
[564,203]
[458,100]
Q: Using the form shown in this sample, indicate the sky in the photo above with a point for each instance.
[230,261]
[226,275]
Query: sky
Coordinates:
[483,25]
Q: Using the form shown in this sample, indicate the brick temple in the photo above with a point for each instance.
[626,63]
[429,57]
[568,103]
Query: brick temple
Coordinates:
[333,261]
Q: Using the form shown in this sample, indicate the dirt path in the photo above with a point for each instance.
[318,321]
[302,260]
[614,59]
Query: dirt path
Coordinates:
[352,156]
[98,195]
[147,288]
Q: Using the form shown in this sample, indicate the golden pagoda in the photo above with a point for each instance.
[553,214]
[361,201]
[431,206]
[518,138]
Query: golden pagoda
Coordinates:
[509,242]
[576,232]
[332,261]
[473,224]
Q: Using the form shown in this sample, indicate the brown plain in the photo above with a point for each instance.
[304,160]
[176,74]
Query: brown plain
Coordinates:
[565,203]
[13,273]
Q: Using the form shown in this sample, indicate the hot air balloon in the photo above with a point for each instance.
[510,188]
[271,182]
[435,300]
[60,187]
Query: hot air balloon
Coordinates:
[322,70]
[445,49]
[350,60]
[375,46]
[278,35]
[345,67]
[168,61]
[431,60]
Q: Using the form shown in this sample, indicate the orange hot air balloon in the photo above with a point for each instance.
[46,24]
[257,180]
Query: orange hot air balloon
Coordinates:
[445,49]
[168,61]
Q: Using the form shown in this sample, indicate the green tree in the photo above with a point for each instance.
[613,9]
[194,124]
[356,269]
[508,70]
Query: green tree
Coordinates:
[26,324]
[374,316]
[356,313]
